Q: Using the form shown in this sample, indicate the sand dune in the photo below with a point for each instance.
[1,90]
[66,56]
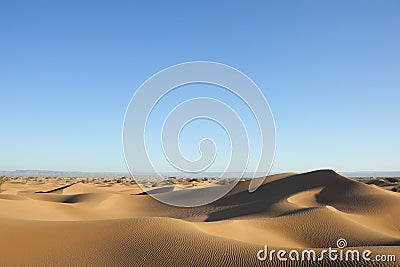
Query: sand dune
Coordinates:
[60,222]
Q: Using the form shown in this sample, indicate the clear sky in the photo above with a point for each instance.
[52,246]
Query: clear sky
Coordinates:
[329,69]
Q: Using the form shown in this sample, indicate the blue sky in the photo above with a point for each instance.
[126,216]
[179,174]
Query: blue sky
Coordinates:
[329,69]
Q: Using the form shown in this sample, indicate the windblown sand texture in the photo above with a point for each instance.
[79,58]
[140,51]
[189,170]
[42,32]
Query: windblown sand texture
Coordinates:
[97,222]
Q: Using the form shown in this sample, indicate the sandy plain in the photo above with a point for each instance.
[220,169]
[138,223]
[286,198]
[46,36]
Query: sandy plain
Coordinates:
[52,221]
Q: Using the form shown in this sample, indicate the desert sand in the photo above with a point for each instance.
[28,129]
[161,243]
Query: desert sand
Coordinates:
[110,222]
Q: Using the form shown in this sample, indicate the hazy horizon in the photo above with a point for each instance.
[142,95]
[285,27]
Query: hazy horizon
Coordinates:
[61,173]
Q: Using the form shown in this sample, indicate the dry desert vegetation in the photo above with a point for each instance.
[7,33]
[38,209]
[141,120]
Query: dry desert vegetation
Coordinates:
[52,221]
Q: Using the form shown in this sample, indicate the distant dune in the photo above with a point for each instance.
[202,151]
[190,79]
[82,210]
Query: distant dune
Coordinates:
[49,173]
[98,222]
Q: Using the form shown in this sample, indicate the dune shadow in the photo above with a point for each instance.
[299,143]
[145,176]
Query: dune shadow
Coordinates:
[244,203]
[160,190]
[56,190]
